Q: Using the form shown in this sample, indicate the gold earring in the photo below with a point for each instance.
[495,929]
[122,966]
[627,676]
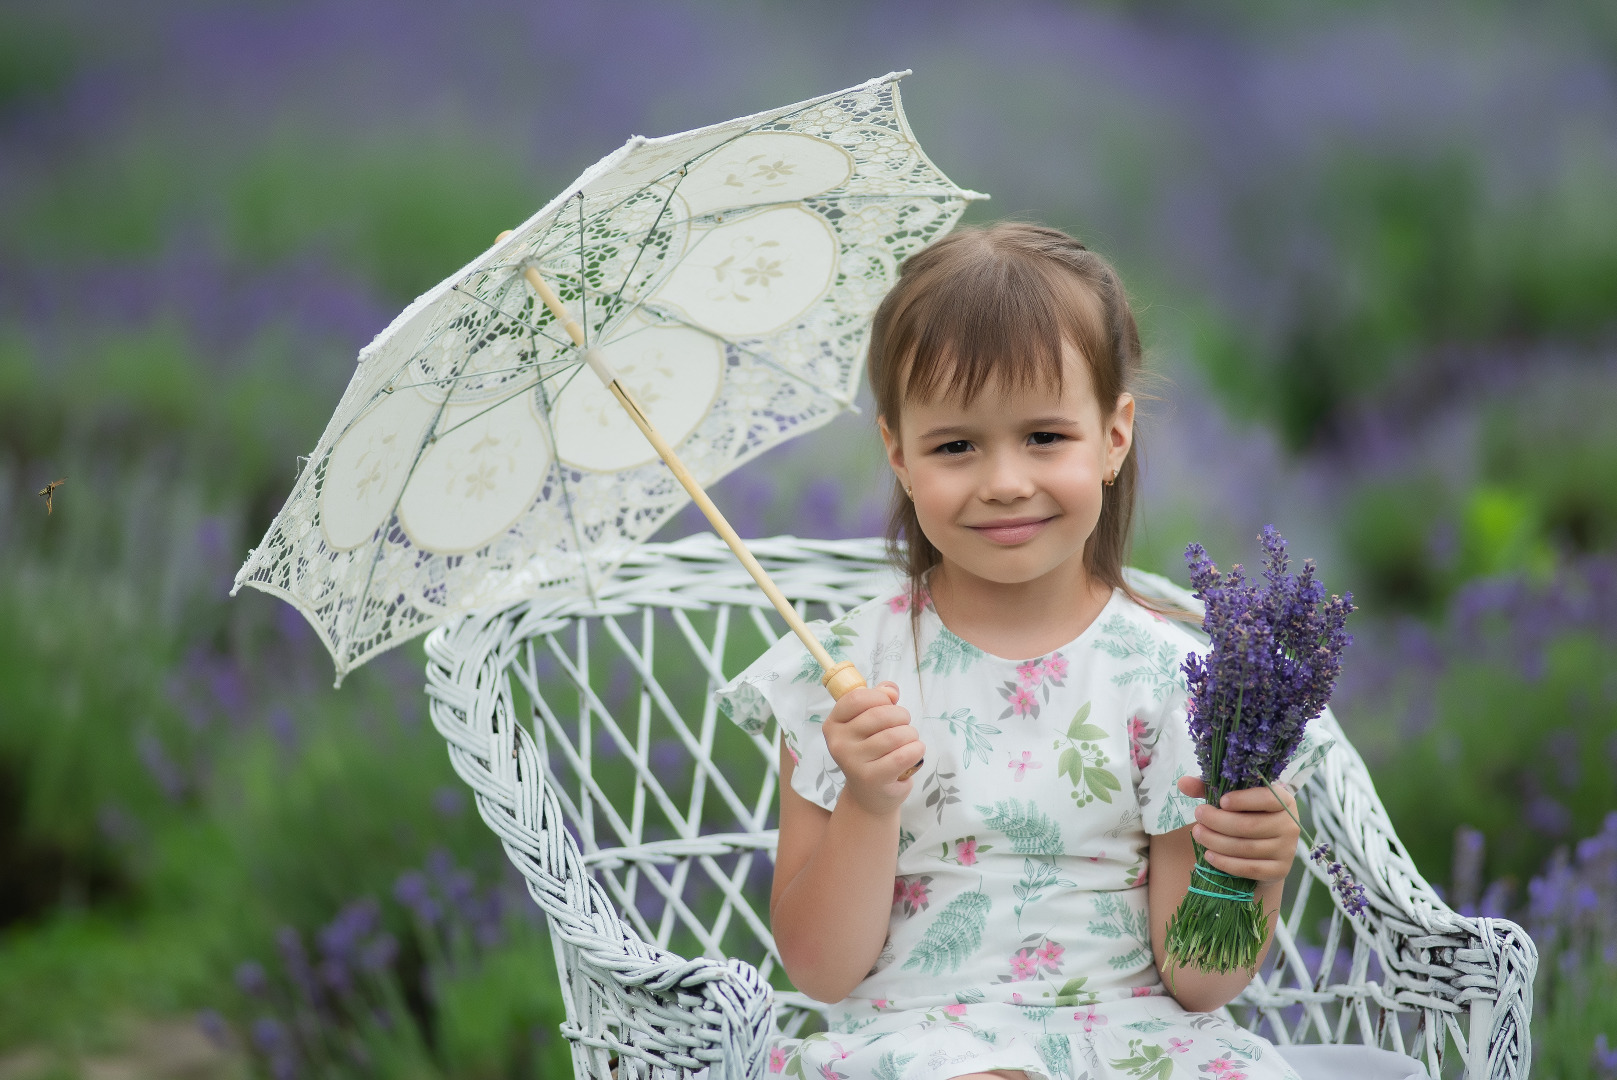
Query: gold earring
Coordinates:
[909,493]
[1112,479]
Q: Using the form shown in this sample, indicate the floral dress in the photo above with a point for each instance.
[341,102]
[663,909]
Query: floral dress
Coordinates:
[1020,934]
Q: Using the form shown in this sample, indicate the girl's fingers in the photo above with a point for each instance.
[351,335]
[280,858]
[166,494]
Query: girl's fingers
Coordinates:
[1193,786]
[1259,870]
[1270,849]
[1250,824]
[1259,800]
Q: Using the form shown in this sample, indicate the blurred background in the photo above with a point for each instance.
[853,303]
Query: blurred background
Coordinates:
[1373,248]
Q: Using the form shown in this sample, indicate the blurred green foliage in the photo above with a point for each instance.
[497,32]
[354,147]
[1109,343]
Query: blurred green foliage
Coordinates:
[1519,756]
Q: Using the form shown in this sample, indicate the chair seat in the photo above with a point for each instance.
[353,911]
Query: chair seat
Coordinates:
[643,823]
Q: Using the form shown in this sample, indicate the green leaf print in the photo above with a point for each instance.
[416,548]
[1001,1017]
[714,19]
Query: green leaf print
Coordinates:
[1056,1054]
[953,936]
[1160,659]
[1072,993]
[975,733]
[1119,920]
[1150,1027]
[836,639]
[1037,875]
[1029,830]
[949,654]
[1083,761]
[1080,730]
[1146,1062]
[890,1066]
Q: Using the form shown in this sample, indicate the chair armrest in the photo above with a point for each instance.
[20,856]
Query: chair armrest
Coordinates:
[625,997]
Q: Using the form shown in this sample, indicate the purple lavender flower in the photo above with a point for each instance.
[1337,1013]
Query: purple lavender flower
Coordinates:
[1276,652]
[251,980]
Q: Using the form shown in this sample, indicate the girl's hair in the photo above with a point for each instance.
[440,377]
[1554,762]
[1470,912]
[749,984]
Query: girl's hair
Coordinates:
[995,304]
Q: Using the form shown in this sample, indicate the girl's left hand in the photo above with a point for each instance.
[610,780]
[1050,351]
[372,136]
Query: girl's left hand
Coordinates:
[1248,834]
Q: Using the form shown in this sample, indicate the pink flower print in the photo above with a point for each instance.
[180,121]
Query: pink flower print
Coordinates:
[1089,1018]
[1020,767]
[1030,673]
[1049,955]
[1016,999]
[966,851]
[917,893]
[1179,1046]
[1220,1066]
[1142,991]
[777,1059]
[879,1004]
[1055,667]
[1137,750]
[900,890]
[1023,701]
[828,1073]
[956,1010]
[1023,966]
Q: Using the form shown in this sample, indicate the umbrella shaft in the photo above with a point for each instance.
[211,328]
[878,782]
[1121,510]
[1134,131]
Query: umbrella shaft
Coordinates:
[839,677]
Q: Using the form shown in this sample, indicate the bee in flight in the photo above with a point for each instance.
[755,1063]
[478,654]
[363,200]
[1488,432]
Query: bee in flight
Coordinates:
[49,490]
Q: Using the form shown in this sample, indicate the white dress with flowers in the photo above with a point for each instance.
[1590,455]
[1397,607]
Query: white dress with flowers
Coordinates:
[1020,935]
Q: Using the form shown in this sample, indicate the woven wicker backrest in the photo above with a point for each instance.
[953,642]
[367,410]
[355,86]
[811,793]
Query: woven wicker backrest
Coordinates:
[643,821]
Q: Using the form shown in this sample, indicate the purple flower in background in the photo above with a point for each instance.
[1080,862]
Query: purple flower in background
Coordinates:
[251,980]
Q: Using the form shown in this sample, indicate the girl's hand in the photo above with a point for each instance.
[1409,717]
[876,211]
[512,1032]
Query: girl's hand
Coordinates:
[872,740]
[1249,833]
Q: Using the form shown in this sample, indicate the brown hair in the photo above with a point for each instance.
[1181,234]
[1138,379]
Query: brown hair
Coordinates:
[995,304]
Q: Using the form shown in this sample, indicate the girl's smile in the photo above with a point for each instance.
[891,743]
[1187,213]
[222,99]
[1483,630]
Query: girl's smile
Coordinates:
[1010,531]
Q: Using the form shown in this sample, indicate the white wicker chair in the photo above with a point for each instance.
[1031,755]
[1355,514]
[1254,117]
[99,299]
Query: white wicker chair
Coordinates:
[641,821]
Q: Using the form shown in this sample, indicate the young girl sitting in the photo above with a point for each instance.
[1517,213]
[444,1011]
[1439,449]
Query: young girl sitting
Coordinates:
[1002,911]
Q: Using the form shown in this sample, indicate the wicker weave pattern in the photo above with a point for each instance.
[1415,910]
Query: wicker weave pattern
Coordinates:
[639,825]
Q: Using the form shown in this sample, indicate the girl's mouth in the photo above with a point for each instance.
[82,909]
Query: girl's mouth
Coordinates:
[1010,530]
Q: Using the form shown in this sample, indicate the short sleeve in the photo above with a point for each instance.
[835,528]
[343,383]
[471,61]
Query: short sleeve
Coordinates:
[784,685]
[1164,752]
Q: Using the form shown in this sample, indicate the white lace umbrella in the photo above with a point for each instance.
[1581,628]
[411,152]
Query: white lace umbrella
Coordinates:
[724,276]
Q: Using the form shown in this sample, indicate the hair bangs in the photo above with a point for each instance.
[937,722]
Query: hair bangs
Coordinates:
[995,324]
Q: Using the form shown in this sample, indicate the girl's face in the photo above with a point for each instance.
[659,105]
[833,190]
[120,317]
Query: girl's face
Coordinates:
[1009,489]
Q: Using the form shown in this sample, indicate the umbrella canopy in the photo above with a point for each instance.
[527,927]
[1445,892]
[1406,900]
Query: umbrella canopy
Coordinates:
[727,274]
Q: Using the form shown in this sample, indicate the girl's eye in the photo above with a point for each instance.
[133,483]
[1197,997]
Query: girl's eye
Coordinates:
[1044,438]
[959,446]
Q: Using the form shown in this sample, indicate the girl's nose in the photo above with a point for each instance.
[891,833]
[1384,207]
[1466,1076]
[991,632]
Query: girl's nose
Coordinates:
[1006,479]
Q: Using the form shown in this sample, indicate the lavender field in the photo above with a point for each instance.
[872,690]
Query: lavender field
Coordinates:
[1373,248]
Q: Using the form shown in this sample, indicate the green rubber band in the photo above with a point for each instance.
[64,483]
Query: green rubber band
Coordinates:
[1243,897]
[1210,874]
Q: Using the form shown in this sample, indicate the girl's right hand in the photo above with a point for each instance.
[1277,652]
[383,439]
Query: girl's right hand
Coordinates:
[872,741]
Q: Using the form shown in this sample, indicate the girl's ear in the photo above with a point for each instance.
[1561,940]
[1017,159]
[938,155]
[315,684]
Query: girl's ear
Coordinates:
[1120,431]
[895,450]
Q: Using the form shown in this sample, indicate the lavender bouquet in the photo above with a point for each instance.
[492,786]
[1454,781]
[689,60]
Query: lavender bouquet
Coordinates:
[1276,651]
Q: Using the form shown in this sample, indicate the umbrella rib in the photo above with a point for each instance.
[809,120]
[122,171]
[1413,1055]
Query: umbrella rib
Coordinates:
[583,277]
[617,297]
[566,492]
[532,366]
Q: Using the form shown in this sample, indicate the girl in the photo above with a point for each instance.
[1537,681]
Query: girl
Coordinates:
[1002,911]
